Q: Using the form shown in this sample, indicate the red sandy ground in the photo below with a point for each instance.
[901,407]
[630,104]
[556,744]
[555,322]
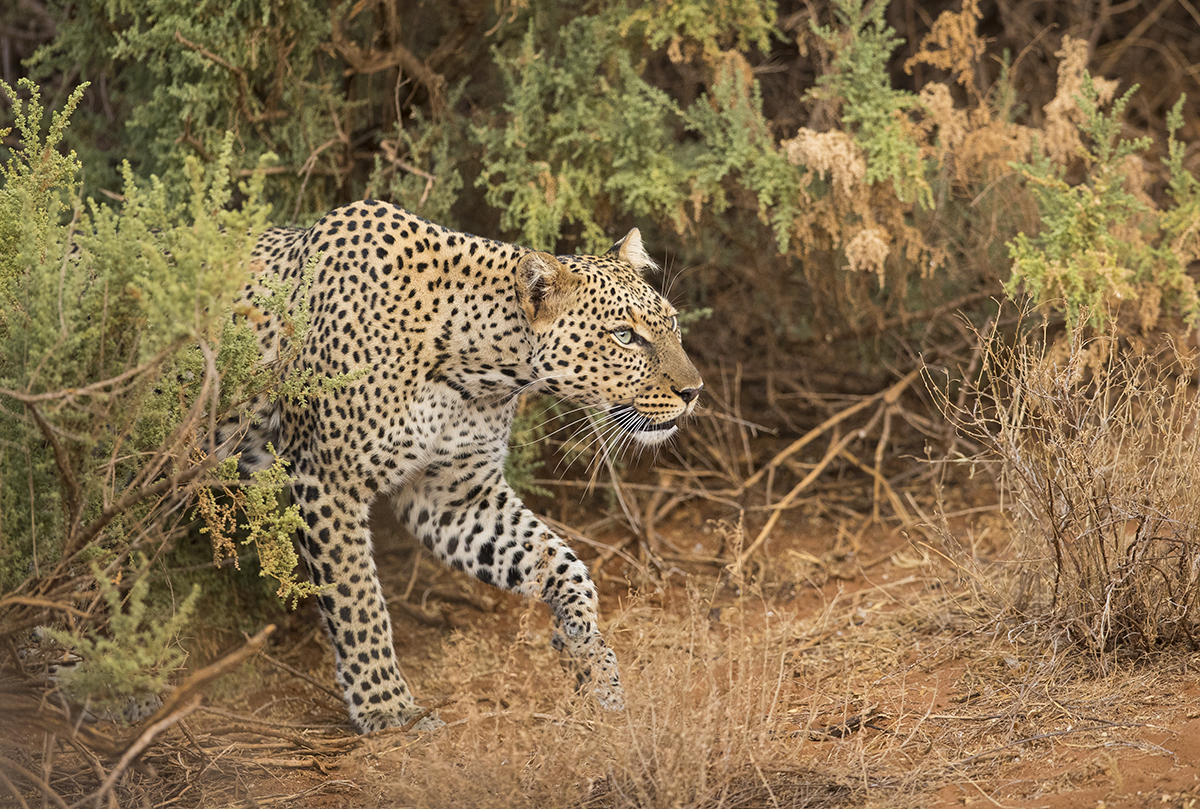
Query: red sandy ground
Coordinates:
[1150,757]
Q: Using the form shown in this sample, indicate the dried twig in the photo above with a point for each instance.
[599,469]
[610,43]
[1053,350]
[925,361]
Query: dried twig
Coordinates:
[1050,735]
[835,447]
[65,472]
[566,530]
[888,396]
[297,673]
[365,60]
[197,681]
[291,799]
[139,745]
[95,388]
[243,89]
[12,790]
[47,791]
[43,603]
[86,535]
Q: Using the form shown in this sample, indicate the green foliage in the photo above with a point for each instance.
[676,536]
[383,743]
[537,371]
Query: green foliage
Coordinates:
[300,386]
[574,118]
[690,317]
[137,655]
[276,301]
[121,351]
[582,133]
[585,134]
[185,77]
[263,523]
[735,141]
[34,180]
[705,27]
[179,261]
[430,180]
[871,108]
[524,453]
[1099,244]
[1181,224]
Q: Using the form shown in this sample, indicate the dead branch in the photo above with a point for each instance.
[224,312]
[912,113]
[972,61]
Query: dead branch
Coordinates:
[25,711]
[96,388]
[80,540]
[11,788]
[243,89]
[65,473]
[905,319]
[881,485]
[364,60]
[391,153]
[140,744]
[197,681]
[43,787]
[835,448]
[307,678]
[44,603]
[888,396]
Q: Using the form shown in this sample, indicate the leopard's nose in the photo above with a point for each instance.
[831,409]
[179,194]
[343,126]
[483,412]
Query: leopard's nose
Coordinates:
[687,394]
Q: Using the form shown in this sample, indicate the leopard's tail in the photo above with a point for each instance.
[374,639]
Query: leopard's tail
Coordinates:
[252,436]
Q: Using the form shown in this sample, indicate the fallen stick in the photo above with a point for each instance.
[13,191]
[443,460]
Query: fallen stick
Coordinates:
[889,396]
[197,681]
[835,448]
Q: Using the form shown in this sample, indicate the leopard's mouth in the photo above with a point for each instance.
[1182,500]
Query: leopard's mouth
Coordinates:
[641,427]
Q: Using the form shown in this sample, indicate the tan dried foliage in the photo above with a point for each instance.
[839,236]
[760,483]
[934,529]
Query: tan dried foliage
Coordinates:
[953,44]
[1099,445]
[869,251]
[987,151]
[974,143]
[1063,115]
[831,155]
[861,219]
[836,158]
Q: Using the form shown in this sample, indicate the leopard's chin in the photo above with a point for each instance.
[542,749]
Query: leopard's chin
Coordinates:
[644,431]
[656,434]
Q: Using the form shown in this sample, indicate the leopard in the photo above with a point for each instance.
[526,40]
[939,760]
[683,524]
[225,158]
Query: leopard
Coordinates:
[439,333]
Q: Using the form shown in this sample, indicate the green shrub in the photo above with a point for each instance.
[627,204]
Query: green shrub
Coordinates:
[119,354]
[134,658]
[873,110]
[1101,243]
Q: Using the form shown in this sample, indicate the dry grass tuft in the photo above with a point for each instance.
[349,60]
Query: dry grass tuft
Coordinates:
[1100,457]
[706,725]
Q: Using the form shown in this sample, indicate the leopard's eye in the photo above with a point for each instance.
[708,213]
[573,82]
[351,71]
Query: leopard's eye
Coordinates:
[623,336]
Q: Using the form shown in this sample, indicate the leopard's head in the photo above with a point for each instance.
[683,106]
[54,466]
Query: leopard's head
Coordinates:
[604,337]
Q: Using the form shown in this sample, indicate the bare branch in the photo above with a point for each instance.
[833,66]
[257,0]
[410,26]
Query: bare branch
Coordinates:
[80,540]
[65,472]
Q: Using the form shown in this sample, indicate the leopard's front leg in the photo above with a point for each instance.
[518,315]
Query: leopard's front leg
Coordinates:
[336,548]
[477,523]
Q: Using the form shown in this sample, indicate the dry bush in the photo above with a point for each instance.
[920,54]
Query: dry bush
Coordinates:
[1099,455]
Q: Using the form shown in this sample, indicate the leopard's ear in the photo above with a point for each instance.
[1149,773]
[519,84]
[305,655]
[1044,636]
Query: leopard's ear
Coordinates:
[542,284]
[631,250]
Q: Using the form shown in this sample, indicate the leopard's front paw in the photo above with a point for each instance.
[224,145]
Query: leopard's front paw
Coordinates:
[607,683]
[595,666]
[412,717]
